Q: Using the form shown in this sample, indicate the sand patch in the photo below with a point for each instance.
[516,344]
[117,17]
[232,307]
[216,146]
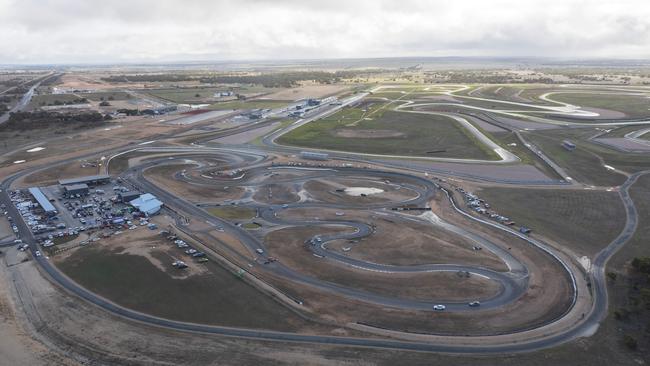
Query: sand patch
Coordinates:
[358,191]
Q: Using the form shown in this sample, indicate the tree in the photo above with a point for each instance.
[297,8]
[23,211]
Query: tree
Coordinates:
[104,104]
[641,264]
[630,342]
[610,275]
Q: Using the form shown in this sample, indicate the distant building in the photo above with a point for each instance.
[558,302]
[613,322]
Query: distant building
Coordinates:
[314,155]
[128,196]
[43,201]
[223,94]
[91,179]
[313,102]
[147,203]
[71,189]
[568,145]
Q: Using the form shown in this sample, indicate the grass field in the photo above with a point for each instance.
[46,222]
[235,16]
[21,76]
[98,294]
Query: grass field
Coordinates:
[107,96]
[49,99]
[581,164]
[625,296]
[633,106]
[232,213]
[505,139]
[388,132]
[586,163]
[584,221]
[622,131]
[217,297]
[251,226]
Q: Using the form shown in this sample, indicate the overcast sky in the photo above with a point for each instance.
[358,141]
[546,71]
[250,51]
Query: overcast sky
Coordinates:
[80,31]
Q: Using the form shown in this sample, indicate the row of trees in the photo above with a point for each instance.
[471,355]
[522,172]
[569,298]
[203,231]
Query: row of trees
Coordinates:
[281,79]
[148,78]
[66,102]
[23,121]
[273,79]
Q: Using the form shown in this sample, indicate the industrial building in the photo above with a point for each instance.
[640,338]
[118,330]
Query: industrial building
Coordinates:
[42,201]
[147,203]
[128,196]
[75,189]
[313,155]
[91,179]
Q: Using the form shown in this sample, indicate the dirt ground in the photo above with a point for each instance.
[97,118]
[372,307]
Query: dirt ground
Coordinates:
[5,229]
[306,91]
[276,193]
[288,246]
[51,176]
[325,190]
[400,242]
[547,296]
[83,333]
[164,177]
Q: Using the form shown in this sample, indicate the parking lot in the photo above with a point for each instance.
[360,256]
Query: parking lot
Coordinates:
[89,215]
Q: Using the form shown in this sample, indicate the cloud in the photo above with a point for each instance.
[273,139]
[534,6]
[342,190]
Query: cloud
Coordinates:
[75,31]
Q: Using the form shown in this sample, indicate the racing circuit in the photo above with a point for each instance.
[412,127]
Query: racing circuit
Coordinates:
[389,186]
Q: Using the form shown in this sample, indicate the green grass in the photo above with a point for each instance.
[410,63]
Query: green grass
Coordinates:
[49,99]
[584,164]
[251,226]
[633,106]
[584,221]
[581,164]
[118,95]
[624,290]
[420,134]
[217,297]
[232,213]
[645,136]
[526,156]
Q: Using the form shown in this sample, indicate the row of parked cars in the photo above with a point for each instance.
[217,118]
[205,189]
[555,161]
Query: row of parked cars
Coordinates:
[199,256]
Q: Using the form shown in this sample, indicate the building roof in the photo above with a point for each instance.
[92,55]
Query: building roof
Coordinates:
[150,207]
[41,199]
[87,179]
[147,203]
[74,187]
[129,194]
